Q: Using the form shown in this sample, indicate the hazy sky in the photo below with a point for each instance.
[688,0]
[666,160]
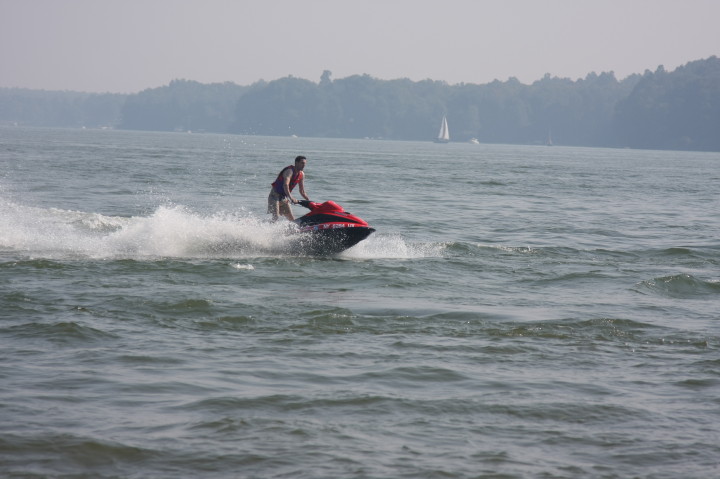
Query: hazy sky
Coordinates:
[130,45]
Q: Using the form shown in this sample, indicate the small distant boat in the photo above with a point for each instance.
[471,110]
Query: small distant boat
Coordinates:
[444,133]
[474,141]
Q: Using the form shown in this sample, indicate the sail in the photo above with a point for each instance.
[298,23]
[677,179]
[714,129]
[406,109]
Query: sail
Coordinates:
[444,133]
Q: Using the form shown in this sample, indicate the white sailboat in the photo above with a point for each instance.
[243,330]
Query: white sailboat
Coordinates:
[444,133]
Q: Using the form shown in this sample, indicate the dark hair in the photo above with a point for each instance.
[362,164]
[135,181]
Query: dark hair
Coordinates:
[299,158]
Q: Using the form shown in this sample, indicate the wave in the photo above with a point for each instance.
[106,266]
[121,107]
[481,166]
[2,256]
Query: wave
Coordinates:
[171,231]
[682,286]
[699,255]
[59,332]
[86,452]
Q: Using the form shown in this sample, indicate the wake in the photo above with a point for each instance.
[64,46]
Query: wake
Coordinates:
[170,231]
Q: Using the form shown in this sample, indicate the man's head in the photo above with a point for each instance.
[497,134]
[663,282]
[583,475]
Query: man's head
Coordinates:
[300,162]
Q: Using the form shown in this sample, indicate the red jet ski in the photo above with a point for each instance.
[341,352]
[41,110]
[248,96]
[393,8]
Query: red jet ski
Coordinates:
[328,229]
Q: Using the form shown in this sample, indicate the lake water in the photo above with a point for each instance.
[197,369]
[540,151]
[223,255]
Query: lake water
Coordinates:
[521,311]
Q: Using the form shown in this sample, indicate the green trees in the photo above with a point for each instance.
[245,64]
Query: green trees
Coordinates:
[669,110]
[359,106]
[661,109]
[678,110]
[59,108]
[181,106]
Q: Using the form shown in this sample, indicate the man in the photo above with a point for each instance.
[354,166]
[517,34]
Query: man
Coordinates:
[280,194]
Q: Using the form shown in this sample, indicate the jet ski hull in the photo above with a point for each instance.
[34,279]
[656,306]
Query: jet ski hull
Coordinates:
[328,229]
[330,241]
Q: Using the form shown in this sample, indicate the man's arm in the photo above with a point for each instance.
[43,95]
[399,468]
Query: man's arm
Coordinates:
[301,186]
[287,174]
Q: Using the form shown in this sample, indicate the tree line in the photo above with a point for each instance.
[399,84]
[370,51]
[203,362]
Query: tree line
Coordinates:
[657,110]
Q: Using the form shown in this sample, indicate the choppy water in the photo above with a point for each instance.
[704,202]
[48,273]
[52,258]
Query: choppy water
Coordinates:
[520,312]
